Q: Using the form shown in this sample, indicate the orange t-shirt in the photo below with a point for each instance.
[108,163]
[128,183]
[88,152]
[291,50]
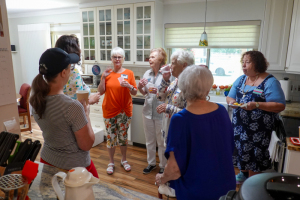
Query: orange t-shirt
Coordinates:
[117,98]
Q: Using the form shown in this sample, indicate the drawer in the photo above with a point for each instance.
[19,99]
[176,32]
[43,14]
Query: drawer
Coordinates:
[98,124]
[96,110]
[94,116]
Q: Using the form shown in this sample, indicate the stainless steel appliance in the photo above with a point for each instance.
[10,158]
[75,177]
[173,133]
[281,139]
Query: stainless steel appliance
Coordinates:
[267,186]
[88,79]
[136,126]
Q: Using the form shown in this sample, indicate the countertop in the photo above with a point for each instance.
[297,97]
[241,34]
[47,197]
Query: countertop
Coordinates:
[291,110]
[41,188]
[290,145]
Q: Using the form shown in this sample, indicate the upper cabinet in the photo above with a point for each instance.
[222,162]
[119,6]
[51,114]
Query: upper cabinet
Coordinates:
[124,30]
[275,32]
[105,28]
[293,58]
[143,31]
[129,26]
[89,33]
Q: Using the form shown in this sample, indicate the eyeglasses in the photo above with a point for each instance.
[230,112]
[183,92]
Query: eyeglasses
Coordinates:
[246,62]
[117,57]
[72,67]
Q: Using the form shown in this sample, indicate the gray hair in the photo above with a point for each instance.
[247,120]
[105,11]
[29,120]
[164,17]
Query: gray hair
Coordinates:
[195,82]
[117,50]
[183,57]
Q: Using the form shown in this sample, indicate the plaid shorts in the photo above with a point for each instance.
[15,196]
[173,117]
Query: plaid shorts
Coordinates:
[117,128]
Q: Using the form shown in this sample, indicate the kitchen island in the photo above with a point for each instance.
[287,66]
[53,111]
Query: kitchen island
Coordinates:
[41,188]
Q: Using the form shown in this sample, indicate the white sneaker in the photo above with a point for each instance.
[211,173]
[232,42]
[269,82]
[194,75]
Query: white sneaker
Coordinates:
[166,190]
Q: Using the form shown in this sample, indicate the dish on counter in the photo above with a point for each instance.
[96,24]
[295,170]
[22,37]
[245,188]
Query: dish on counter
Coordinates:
[238,105]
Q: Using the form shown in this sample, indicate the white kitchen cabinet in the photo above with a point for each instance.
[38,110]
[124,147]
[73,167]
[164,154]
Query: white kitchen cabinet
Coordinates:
[293,58]
[292,159]
[275,32]
[129,26]
[124,30]
[88,33]
[96,114]
[105,28]
[143,31]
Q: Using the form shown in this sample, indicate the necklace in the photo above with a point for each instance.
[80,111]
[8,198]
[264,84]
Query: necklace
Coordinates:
[244,93]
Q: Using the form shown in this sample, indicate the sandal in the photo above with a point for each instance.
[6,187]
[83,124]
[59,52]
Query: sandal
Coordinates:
[125,165]
[110,169]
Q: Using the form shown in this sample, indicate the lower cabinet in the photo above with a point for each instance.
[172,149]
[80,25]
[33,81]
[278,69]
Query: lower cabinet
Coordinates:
[96,115]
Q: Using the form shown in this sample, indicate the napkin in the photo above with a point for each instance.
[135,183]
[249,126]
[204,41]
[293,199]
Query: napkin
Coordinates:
[273,147]
[166,190]
[121,79]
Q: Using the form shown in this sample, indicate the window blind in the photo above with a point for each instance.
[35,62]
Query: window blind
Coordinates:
[242,34]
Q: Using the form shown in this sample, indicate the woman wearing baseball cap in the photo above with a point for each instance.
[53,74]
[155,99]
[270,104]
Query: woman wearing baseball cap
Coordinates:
[68,135]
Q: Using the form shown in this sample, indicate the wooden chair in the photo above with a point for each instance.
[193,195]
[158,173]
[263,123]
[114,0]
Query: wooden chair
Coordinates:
[23,108]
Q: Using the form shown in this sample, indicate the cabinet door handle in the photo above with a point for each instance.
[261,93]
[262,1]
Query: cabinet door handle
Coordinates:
[96,109]
[97,125]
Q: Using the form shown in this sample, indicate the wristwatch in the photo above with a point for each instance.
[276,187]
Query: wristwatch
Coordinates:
[257,104]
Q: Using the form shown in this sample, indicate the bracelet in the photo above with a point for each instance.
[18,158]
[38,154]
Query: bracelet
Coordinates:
[132,88]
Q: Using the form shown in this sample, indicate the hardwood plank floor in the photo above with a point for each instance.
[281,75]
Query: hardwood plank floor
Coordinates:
[136,157]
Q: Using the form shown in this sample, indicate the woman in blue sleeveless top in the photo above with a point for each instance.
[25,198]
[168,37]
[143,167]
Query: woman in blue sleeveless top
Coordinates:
[253,123]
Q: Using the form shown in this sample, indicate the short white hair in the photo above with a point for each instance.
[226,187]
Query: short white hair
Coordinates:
[183,57]
[195,82]
[117,50]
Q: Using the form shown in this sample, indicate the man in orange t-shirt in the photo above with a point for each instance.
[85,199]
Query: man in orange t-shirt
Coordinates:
[118,85]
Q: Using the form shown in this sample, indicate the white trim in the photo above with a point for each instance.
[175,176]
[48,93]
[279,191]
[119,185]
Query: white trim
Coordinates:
[112,3]
[167,2]
[45,12]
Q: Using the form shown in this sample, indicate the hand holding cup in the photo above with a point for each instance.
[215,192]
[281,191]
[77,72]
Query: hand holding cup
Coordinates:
[142,83]
[166,72]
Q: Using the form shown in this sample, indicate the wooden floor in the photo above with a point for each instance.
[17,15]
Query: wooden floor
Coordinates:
[136,157]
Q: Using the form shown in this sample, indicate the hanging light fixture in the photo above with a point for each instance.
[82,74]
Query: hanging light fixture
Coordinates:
[203,39]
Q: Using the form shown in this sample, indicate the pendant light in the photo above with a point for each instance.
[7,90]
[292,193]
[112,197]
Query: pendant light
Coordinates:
[203,39]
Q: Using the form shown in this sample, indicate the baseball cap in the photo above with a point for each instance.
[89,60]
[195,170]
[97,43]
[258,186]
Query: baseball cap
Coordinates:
[55,60]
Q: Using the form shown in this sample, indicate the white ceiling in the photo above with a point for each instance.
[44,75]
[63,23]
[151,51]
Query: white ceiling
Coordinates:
[25,6]
[22,6]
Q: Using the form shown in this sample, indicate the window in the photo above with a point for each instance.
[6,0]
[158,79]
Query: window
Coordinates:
[223,63]
[227,42]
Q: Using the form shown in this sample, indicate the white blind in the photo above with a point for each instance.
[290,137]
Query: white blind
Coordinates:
[242,34]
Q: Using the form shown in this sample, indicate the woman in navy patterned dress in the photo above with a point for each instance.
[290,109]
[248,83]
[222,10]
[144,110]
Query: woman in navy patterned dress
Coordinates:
[253,123]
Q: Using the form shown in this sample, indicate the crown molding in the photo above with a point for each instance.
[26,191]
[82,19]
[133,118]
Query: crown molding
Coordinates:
[167,2]
[45,12]
[112,3]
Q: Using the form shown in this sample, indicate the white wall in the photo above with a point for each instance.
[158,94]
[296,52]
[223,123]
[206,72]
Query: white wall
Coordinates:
[14,39]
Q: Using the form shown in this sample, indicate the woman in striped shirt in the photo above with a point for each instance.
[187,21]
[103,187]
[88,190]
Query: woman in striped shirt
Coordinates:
[68,135]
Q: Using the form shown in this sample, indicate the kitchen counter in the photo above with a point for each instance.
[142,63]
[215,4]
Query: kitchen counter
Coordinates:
[41,188]
[290,145]
[292,110]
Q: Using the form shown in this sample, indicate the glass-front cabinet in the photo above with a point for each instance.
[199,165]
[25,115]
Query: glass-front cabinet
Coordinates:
[124,30]
[88,32]
[129,26]
[105,16]
[143,20]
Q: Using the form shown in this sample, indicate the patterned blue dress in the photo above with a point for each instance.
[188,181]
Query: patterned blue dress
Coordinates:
[252,130]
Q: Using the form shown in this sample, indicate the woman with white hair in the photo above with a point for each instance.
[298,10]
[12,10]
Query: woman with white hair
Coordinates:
[200,143]
[169,92]
[118,84]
